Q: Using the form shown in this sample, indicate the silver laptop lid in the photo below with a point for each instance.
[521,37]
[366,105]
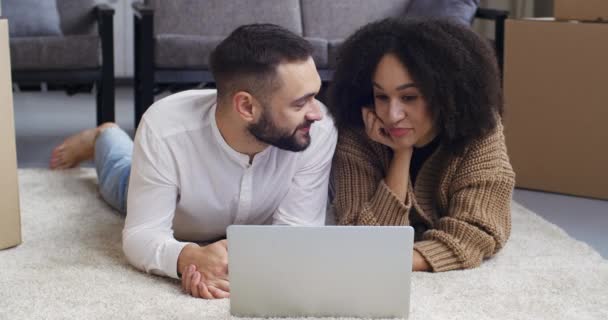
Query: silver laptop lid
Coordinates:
[330,271]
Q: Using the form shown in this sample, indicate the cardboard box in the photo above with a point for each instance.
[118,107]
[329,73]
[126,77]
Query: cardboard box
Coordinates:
[10,220]
[556,96]
[584,10]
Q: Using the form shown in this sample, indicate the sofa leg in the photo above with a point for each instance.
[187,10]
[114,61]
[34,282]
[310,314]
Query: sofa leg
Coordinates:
[137,99]
[144,64]
[98,102]
[105,92]
[144,97]
[105,101]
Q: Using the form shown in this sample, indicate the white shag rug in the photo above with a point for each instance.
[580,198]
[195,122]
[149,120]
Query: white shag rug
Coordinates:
[71,266]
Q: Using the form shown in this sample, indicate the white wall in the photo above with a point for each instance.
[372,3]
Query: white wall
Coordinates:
[123,37]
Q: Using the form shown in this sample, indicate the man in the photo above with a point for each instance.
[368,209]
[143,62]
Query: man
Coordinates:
[257,152]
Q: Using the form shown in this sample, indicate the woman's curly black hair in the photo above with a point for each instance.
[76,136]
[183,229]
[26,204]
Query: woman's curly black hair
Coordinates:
[454,69]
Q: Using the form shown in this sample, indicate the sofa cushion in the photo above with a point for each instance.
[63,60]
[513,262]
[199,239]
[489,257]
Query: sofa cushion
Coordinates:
[333,49]
[220,17]
[49,53]
[77,16]
[462,11]
[31,18]
[319,51]
[178,51]
[337,19]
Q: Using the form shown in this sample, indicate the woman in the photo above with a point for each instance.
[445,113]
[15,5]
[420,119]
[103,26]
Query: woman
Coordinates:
[418,106]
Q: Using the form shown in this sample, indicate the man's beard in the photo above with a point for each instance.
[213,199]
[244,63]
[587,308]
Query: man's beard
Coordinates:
[265,130]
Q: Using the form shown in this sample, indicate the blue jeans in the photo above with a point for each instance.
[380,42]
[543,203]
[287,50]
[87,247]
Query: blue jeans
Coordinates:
[113,150]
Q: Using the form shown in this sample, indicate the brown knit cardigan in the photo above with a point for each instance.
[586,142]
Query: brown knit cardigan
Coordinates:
[460,206]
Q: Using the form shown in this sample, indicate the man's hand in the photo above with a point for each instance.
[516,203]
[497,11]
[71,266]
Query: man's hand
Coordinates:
[205,270]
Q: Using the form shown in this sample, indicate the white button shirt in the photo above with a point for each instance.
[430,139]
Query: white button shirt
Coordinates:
[187,183]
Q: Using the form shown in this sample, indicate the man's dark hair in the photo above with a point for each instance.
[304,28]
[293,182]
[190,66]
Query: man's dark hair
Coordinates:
[455,70]
[247,59]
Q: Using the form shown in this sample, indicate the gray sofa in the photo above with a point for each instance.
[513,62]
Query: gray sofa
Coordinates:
[174,38]
[78,52]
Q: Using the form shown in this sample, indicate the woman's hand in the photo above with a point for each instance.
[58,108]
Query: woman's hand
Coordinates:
[377,131]
[398,175]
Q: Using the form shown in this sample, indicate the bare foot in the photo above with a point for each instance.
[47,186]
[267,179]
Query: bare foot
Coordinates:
[76,148]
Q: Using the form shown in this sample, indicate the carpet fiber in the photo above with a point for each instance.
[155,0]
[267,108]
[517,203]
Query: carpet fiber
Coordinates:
[71,266]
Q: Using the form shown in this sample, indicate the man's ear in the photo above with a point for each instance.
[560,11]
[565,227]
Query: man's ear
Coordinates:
[245,105]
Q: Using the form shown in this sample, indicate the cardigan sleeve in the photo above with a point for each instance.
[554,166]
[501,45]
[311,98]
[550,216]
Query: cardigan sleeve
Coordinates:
[361,197]
[477,223]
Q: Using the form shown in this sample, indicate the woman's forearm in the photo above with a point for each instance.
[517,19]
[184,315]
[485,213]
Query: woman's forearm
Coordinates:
[398,175]
[419,263]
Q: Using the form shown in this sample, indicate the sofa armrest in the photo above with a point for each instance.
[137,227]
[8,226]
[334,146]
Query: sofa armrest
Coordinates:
[499,17]
[105,18]
[103,8]
[105,87]
[143,46]
[141,10]
[491,14]
[105,25]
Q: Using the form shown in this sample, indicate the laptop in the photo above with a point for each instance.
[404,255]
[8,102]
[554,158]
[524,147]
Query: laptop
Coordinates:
[329,271]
